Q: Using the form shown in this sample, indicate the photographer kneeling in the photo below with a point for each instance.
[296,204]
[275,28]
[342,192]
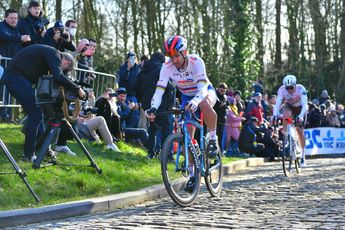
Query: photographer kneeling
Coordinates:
[23,71]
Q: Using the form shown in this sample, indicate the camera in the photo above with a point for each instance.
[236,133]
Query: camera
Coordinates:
[90,110]
[113,94]
[41,24]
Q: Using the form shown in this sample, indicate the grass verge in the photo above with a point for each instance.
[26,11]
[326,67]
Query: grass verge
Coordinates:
[129,170]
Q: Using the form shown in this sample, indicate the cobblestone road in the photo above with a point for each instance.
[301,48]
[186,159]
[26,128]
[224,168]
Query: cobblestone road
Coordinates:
[257,198]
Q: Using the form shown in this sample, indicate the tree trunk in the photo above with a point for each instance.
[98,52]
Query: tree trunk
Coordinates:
[278,45]
[260,45]
[58,5]
[321,55]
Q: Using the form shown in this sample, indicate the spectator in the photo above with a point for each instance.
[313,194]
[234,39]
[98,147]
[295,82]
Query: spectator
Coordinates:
[271,102]
[341,115]
[33,24]
[84,51]
[247,141]
[264,103]
[233,128]
[314,117]
[258,87]
[10,44]
[128,76]
[144,59]
[323,115]
[255,108]
[324,97]
[89,55]
[129,119]
[21,74]
[239,102]
[332,119]
[220,108]
[107,108]
[147,80]
[10,37]
[58,37]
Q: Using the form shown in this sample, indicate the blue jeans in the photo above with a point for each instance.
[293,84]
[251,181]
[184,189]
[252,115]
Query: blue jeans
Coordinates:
[22,90]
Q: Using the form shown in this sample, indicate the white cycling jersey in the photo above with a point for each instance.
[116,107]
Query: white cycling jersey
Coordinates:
[191,82]
[296,99]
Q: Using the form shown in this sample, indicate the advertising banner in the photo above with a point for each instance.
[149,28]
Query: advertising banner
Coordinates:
[324,140]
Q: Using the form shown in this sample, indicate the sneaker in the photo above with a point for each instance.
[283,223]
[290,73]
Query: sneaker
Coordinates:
[303,163]
[190,185]
[64,149]
[212,148]
[27,159]
[113,147]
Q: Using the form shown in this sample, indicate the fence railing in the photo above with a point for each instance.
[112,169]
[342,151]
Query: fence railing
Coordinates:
[98,81]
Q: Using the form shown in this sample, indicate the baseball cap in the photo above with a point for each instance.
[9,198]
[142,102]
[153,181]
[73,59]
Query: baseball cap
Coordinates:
[131,53]
[58,24]
[257,94]
[121,90]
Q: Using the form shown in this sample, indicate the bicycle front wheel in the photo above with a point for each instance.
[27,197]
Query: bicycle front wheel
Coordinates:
[214,173]
[286,155]
[176,174]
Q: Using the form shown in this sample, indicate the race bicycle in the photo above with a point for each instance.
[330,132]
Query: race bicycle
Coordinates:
[291,150]
[181,155]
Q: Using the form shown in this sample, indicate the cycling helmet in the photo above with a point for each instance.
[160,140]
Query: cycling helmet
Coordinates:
[175,44]
[289,80]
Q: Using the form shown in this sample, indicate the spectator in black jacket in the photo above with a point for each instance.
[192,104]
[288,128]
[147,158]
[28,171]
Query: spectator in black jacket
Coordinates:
[147,81]
[10,43]
[107,108]
[220,108]
[33,24]
[10,38]
[26,67]
[130,120]
[58,38]
[128,75]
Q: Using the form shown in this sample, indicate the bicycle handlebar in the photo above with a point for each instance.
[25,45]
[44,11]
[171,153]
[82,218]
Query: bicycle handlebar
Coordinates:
[177,111]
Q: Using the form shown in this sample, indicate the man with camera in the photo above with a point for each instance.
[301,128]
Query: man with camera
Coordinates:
[59,38]
[34,24]
[25,69]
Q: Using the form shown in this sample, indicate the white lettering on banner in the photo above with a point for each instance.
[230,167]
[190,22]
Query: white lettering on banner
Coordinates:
[324,140]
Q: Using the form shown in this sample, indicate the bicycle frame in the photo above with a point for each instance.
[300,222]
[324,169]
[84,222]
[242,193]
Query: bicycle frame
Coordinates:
[188,139]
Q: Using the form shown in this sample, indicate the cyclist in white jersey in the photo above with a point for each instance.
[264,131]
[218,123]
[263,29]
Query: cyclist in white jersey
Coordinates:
[294,97]
[188,73]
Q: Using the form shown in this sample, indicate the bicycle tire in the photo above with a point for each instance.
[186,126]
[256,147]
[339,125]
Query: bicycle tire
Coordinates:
[298,158]
[176,180]
[286,159]
[214,173]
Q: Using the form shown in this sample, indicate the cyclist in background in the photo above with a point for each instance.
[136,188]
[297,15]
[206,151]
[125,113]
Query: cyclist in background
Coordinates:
[188,73]
[294,97]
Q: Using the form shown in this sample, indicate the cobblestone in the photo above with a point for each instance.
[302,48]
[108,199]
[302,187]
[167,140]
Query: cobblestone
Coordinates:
[256,198]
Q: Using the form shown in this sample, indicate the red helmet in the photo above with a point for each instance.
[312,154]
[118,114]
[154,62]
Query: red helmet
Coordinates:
[175,44]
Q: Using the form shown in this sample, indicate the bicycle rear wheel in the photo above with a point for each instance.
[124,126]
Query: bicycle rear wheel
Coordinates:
[175,173]
[214,173]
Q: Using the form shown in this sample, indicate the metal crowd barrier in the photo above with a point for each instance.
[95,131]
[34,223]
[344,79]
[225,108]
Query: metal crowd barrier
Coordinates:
[98,81]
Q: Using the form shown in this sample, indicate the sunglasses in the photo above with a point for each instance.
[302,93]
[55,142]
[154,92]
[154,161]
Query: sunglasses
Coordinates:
[289,87]
[171,53]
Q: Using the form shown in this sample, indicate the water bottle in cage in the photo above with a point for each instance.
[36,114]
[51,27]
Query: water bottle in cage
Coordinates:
[196,146]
